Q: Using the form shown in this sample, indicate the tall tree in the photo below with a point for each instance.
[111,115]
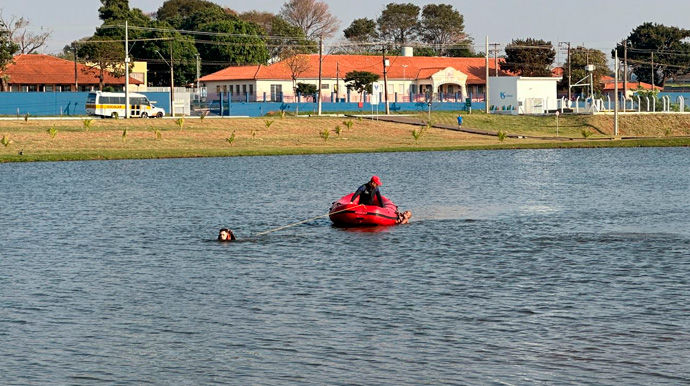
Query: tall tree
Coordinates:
[190,14]
[399,22]
[7,51]
[668,45]
[529,57]
[281,36]
[443,26]
[581,57]
[235,42]
[28,42]
[361,30]
[312,16]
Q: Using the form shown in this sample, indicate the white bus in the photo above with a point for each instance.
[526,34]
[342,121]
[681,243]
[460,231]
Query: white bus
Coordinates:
[112,104]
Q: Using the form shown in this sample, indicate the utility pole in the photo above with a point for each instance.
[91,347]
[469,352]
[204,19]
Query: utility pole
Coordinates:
[76,73]
[625,67]
[486,87]
[198,75]
[337,81]
[318,93]
[652,70]
[385,81]
[615,108]
[128,108]
[570,77]
[495,58]
[172,83]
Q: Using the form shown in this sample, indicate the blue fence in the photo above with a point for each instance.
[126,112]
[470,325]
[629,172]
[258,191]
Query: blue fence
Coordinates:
[59,103]
[257,109]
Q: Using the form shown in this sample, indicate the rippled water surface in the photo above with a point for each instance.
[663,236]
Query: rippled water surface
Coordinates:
[519,268]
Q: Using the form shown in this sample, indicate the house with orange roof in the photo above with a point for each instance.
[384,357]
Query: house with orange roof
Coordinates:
[45,73]
[408,77]
[610,86]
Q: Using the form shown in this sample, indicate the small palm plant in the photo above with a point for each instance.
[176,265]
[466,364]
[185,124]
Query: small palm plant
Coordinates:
[6,140]
[338,130]
[325,134]
[417,133]
[180,122]
[586,133]
[501,135]
[348,123]
[268,123]
[158,134]
[669,132]
[203,116]
[253,134]
[52,131]
[231,138]
[87,124]
[124,135]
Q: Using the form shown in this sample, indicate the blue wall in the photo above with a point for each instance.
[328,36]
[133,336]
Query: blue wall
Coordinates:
[55,103]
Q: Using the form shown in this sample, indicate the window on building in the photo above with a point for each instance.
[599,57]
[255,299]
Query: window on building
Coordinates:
[237,89]
[276,92]
[451,89]
[218,89]
[325,86]
[244,89]
[413,88]
[251,89]
[48,88]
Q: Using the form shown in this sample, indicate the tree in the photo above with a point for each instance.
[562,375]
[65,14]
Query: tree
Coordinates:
[669,46]
[306,89]
[361,30]
[398,22]
[103,55]
[579,58]
[238,42]
[281,35]
[190,14]
[360,81]
[443,26]
[312,16]
[297,65]
[28,42]
[7,50]
[529,57]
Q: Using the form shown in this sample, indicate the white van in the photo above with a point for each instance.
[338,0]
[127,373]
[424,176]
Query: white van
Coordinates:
[112,104]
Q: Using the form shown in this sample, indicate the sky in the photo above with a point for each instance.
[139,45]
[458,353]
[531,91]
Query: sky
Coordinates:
[592,23]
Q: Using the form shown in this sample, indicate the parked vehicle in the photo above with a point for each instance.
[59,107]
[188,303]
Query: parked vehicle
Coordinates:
[112,104]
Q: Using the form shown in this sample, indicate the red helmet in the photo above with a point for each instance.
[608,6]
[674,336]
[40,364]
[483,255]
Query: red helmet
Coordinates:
[376,180]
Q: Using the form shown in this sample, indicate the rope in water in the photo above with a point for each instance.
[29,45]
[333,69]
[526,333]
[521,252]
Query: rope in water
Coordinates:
[302,222]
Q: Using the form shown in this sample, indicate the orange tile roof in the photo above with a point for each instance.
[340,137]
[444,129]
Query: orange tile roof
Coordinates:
[46,69]
[417,67]
[610,84]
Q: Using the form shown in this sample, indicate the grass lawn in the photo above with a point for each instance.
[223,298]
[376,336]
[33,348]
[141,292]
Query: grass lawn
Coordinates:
[164,138]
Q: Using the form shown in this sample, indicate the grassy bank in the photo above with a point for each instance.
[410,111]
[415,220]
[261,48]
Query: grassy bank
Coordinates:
[45,140]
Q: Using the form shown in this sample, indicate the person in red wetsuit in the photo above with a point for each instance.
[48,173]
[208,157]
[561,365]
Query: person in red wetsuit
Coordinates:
[368,192]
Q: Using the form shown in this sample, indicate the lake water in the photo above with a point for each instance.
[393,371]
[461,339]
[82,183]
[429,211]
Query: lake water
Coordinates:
[519,268]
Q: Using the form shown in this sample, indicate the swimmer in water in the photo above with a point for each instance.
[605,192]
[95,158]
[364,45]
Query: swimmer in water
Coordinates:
[404,217]
[226,234]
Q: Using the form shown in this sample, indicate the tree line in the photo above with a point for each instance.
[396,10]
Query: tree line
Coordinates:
[200,31]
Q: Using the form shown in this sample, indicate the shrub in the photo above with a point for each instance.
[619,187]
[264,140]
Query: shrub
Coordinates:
[6,140]
[180,122]
[501,135]
[325,134]
[268,123]
[586,133]
[53,132]
[338,130]
[87,124]
[231,138]
[348,123]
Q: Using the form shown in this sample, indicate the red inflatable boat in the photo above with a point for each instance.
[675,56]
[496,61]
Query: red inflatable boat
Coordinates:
[345,214]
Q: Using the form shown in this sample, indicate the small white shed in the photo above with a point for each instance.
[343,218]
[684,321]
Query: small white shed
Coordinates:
[522,95]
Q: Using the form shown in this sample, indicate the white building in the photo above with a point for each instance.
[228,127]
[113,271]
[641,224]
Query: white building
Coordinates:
[523,95]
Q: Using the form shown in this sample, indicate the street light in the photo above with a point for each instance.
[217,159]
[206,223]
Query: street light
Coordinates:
[590,68]
[404,66]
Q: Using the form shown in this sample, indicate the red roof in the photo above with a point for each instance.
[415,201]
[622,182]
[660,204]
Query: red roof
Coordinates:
[46,69]
[401,67]
[610,84]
